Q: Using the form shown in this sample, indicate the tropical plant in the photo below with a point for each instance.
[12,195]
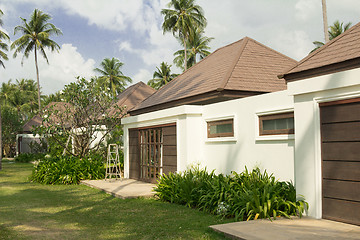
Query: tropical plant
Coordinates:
[161,76]
[3,46]
[36,36]
[335,30]
[68,169]
[111,76]
[21,96]
[53,97]
[182,19]
[248,195]
[198,47]
[3,55]
[11,125]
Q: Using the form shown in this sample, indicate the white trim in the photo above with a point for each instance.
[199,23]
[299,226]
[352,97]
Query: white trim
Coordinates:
[279,137]
[276,111]
[337,97]
[317,137]
[222,139]
[275,137]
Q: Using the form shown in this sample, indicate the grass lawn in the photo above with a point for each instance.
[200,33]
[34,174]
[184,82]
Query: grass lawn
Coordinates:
[35,211]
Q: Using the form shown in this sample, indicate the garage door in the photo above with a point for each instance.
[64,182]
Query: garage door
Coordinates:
[340,136]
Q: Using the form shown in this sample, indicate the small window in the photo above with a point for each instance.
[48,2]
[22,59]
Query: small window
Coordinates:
[282,123]
[222,128]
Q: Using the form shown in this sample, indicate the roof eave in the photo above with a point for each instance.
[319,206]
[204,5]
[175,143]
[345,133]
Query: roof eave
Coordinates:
[322,70]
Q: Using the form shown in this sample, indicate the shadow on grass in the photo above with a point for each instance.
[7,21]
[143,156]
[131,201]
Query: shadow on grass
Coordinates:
[79,212]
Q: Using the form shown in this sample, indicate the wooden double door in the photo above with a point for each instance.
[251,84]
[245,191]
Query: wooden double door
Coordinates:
[152,152]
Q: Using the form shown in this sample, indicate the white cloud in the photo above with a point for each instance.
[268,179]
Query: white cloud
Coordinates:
[296,44]
[143,75]
[63,68]
[305,9]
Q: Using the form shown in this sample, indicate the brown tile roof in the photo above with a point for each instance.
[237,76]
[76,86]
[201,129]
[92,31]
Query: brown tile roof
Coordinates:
[345,47]
[245,65]
[132,96]
[37,119]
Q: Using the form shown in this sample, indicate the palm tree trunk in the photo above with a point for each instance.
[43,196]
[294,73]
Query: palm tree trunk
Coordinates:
[325,21]
[37,77]
[185,54]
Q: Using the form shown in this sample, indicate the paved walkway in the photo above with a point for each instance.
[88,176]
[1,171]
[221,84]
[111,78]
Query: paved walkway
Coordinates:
[125,188]
[299,229]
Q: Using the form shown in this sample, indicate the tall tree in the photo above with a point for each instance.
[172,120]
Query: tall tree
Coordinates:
[184,16]
[198,47]
[3,47]
[162,76]
[36,36]
[112,76]
[335,30]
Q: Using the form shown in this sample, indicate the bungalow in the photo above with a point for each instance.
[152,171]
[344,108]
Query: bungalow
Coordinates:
[26,138]
[196,119]
[307,131]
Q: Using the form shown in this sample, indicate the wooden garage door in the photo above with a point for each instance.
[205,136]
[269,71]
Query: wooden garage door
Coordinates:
[340,136]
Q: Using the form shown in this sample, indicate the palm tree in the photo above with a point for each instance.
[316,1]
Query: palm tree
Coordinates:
[3,46]
[181,20]
[112,75]
[335,30]
[36,36]
[162,76]
[198,46]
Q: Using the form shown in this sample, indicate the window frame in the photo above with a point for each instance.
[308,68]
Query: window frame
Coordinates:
[210,123]
[275,116]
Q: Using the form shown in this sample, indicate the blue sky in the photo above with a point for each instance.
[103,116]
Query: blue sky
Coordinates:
[131,31]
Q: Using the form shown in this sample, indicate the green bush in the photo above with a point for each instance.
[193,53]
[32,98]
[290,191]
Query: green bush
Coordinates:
[245,196]
[68,169]
[29,157]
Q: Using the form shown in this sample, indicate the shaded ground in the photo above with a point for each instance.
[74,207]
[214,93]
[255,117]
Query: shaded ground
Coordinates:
[35,211]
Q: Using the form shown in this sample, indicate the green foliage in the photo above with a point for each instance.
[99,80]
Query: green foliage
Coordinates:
[73,119]
[162,76]
[335,30]
[11,125]
[29,157]
[112,77]
[182,19]
[68,169]
[3,46]
[245,196]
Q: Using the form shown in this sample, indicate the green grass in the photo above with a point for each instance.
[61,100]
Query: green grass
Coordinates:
[36,211]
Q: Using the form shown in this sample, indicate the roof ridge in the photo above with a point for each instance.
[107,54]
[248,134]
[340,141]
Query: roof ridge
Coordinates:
[326,45]
[134,87]
[231,69]
[196,65]
[273,50]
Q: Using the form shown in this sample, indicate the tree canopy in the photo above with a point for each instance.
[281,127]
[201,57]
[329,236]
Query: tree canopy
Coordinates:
[161,76]
[182,18]
[35,36]
[112,76]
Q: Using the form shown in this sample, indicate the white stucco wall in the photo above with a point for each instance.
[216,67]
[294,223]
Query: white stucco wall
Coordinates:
[246,148]
[273,153]
[307,96]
